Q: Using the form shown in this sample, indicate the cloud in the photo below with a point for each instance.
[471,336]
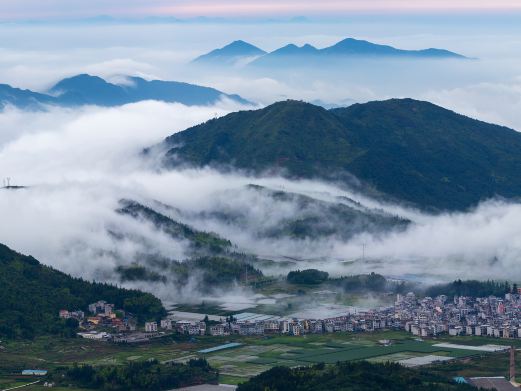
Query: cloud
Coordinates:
[80,163]
[498,102]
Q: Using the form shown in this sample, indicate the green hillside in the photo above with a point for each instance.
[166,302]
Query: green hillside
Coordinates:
[32,294]
[350,376]
[200,242]
[407,150]
[211,260]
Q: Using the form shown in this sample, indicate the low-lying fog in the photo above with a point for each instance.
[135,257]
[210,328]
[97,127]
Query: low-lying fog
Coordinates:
[79,163]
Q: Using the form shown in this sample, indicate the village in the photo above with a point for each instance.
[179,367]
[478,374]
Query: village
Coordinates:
[423,317]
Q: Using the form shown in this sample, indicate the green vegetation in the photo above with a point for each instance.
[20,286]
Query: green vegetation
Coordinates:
[139,376]
[307,277]
[32,294]
[201,242]
[254,356]
[410,150]
[215,271]
[471,288]
[350,376]
[362,283]
[136,272]
[314,218]
[211,263]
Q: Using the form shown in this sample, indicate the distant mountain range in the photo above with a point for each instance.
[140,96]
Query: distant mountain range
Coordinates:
[240,51]
[92,90]
[406,150]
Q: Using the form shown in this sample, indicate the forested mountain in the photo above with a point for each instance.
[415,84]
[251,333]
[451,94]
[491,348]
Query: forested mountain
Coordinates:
[201,243]
[210,261]
[407,150]
[31,295]
[92,90]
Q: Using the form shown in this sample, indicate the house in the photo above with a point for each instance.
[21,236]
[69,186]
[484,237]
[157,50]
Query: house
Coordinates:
[64,314]
[217,330]
[166,324]
[150,327]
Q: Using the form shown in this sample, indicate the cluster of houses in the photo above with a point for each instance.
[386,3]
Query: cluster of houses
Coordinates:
[498,317]
[102,315]
[423,317]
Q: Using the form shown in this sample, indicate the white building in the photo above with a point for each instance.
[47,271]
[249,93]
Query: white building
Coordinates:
[151,327]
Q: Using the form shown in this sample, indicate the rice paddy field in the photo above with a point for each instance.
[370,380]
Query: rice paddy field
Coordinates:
[250,355]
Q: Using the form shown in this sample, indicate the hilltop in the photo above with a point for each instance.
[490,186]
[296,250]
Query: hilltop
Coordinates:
[403,149]
[230,53]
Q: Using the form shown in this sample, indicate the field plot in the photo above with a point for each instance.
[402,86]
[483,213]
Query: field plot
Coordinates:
[253,356]
[257,355]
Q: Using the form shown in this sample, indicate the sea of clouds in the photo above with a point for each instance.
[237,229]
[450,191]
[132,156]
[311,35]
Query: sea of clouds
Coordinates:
[78,163]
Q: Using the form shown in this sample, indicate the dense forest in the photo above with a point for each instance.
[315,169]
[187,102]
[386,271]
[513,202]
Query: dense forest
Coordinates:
[471,288]
[32,294]
[350,376]
[206,272]
[137,376]
[410,150]
[372,282]
[307,277]
[201,243]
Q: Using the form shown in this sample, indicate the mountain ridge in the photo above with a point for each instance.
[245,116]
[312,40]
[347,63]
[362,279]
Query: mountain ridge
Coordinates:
[411,151]
[346,48]
[85,89]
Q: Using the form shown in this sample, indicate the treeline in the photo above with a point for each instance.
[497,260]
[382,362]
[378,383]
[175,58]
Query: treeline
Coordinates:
[372,282]
[32,294]
[139,376]
[200,242]
[350,376]
[307,277]
[471,288]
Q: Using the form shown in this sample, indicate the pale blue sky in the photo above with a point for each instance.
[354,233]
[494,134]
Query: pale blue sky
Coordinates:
[44,9]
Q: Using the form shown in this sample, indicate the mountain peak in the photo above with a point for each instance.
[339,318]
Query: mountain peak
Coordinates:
[405,149]
[231,52]
[77,81]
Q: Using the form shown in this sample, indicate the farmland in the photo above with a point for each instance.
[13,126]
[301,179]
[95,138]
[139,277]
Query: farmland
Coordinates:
[253,356]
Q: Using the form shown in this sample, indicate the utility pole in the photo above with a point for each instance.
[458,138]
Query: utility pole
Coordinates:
[512,372]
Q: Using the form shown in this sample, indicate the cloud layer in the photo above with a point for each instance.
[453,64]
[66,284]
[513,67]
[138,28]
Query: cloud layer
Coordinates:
[79,163]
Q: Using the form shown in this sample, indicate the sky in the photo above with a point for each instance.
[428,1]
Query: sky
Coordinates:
[63,9]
